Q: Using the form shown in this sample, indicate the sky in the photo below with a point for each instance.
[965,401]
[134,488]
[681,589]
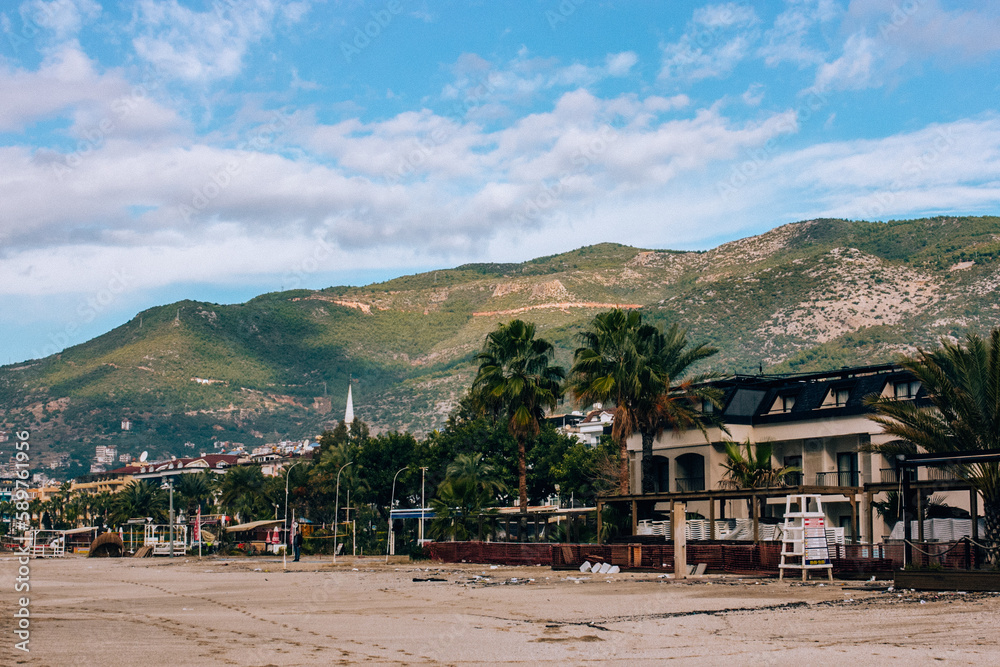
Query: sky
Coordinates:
[156,150]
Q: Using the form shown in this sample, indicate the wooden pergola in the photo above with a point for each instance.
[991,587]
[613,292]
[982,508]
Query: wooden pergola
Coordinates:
[922,489]
[637,501]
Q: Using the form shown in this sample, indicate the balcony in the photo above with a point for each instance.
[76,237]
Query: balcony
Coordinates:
[838,478]
[689,484]
[793,479]
[891,476]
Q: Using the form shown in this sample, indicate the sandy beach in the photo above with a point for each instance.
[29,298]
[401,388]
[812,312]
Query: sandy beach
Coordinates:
[249,612]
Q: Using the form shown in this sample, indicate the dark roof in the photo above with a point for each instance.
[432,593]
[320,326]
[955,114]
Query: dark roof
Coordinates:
[747,399]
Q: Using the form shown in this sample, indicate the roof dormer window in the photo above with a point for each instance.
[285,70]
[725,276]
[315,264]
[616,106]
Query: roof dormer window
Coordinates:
[783,403]
[840,396]
[906,389]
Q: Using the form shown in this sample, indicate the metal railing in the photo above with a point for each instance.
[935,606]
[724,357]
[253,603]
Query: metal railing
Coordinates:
[891,476]
[837,478]
[794,479]
[688,484]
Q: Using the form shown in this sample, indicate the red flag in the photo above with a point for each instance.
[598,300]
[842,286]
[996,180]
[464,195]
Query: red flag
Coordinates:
[197,526]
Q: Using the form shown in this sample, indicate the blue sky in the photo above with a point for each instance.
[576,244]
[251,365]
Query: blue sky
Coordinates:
[158,150]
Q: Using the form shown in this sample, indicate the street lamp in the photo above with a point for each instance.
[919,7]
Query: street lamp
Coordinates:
[392,500]
[288,535]
[169,484]
[336,510]
[423,504]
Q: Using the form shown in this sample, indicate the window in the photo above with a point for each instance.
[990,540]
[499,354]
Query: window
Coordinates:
[847,469]
[907,389]
[707,407]
[787,403]
[793,478]
[840,397]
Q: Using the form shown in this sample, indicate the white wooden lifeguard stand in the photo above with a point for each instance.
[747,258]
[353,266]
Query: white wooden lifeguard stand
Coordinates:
[160,546]
[803,542]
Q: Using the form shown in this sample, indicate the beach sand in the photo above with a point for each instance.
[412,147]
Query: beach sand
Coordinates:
[241,611]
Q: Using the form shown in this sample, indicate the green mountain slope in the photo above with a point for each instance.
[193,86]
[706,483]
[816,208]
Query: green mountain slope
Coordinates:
[806,296]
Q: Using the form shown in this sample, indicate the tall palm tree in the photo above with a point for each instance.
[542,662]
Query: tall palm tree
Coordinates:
[243,493]
[196,490]
[518,381]
[751,468]
[962,382]
[640,369]
[674,397]
[139,499]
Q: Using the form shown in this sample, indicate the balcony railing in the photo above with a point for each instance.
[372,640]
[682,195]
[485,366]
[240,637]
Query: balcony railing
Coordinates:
[688,484]
[793,479]
[837,478]
[890,475]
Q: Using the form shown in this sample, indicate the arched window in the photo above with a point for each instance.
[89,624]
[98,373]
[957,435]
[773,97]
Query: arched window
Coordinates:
[690,472]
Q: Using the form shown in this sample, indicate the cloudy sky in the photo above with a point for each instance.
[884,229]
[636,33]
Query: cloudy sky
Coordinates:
[154,150]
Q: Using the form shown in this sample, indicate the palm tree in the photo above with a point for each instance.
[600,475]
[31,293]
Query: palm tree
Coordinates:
[242,492]
[750,468]
[139,498]
[470,486]
[639,368]
[196,490]
[517,381]
[673,398]
[962,382]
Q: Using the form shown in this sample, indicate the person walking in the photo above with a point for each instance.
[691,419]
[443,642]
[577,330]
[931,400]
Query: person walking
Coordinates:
[297,545]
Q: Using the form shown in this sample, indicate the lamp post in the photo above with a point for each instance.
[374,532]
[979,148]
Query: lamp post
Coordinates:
[169,484]
[392,500]
[336,510]
[423,504]
[288,535]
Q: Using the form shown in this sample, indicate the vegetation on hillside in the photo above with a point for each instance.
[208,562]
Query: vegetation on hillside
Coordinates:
[802,297]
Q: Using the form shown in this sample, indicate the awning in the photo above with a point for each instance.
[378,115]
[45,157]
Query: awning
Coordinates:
[77,531]
[254,525]
[412,513]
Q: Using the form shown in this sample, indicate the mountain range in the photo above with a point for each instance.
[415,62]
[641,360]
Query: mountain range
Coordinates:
[806,296]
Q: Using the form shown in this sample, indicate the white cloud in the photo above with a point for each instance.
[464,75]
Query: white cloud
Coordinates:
[206,46]
[924,28]
[64,18]
[717,38]
[619,64]
[753,95]
[65,80]
[855,69]
[792,39]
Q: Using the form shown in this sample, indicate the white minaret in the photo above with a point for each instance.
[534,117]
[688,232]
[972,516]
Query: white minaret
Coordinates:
[349,412]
